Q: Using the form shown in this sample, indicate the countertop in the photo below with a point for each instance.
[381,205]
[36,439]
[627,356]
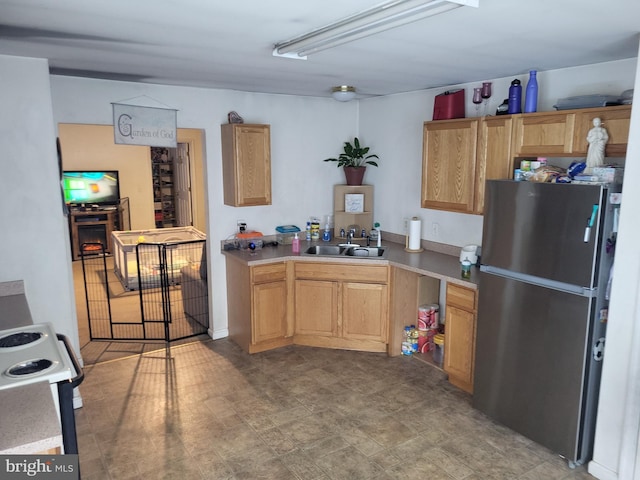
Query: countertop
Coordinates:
[29,422]
[430,263]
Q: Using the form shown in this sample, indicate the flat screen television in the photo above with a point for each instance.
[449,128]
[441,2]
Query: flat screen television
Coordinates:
[91,187]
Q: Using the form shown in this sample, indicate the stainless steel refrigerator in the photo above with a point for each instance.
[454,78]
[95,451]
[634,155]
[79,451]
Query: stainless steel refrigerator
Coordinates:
[547,253]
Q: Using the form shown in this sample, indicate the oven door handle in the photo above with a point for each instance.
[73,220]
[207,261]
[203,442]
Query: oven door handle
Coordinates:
[77,380]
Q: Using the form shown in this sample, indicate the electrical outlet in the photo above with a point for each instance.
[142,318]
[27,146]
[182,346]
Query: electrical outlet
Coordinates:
[435,229]
[242,226]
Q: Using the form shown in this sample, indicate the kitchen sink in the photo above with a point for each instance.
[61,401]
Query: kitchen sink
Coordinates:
[365,252]
[331,250]
[342,250]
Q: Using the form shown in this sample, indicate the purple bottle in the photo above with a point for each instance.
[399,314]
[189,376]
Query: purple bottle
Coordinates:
[515,97]
[531,99]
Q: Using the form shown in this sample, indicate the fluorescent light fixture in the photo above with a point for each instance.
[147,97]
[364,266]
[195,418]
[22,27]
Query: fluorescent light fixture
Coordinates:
[343,93]
[384,16]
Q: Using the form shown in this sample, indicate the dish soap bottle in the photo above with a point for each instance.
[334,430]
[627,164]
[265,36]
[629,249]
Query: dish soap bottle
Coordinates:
[326,235]
[295,244]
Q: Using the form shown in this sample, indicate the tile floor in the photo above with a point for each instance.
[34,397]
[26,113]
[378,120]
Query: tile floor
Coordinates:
[207,410]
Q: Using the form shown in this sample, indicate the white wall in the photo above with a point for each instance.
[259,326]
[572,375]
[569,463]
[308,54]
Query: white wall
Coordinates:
[393,126]
[34,244]
[618,421]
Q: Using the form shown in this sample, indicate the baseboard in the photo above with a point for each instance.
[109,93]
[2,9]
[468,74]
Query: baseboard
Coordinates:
[601,472]
[218,334]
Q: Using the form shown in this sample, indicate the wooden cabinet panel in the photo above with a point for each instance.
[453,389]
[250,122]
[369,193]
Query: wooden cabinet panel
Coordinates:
[543,134]
[268,273]
[342,272]
[460,336]
[246,164]
[316,307]
[269,311]
[459,347]
[494,155]
[614,119]
[449,164]
[365,311]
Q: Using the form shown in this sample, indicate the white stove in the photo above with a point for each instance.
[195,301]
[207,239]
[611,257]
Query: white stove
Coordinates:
[34,353]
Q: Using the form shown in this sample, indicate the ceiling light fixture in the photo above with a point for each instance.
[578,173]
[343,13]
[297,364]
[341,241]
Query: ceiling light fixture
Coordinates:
[343,93]
[377,19]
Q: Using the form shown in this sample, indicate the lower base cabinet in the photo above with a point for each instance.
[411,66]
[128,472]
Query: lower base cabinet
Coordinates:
[342,306]
[460,336]
[258,305]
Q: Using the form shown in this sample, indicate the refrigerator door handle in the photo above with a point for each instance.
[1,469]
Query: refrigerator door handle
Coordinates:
[541,282]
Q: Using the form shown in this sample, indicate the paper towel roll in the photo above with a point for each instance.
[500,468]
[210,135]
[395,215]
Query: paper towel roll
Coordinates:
[415,230]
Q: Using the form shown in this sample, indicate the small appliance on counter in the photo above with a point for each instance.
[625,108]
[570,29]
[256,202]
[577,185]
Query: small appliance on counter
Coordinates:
[469,253]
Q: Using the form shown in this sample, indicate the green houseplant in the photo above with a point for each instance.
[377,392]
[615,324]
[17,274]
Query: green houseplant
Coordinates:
[354,160]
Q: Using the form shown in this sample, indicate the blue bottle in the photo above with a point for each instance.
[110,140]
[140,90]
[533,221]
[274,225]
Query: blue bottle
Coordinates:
[515,97]
[531,98]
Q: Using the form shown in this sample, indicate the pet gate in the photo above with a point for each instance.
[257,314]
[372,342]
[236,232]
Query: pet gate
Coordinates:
[171,301]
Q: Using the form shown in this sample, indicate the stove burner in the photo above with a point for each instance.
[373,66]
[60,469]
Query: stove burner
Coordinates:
[30,367]
[19,339]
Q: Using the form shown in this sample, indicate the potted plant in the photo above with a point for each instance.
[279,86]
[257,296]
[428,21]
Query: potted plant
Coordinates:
[354,160]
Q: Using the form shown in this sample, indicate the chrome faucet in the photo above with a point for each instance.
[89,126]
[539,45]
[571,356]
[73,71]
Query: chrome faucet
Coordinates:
[349,237]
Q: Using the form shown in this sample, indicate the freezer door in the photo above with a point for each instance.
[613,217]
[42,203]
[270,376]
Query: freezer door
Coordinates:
[531,361]
[539,229]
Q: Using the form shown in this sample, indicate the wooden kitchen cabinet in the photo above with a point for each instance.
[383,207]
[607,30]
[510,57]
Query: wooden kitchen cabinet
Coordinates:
[460,336]
[564,133]
[614,119]
[342,306]
[449,164]
[459,156]
[246,164]
[259,305]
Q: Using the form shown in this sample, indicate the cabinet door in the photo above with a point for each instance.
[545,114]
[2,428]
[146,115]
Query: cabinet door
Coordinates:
[459,346]
[316,307]
[365,311]
[449,165]
[246,162]
[269,311]
[614,119]
[494,155]
[543,134]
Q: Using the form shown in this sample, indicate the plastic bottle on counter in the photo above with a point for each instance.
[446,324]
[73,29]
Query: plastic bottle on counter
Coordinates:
[326,235]
[308,232]
[407,347]
[515,97]
[295,244]
[466,269]
[531,97]
[315,229]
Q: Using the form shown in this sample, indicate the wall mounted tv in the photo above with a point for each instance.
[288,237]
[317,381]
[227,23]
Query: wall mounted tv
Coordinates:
[91,187]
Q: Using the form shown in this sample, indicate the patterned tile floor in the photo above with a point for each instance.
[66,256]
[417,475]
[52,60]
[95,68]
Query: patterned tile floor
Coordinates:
[207,410]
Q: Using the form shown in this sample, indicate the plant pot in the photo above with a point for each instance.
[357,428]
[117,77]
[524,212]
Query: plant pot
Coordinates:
[354,175]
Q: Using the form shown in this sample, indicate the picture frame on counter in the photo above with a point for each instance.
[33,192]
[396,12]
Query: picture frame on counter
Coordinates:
[354,202]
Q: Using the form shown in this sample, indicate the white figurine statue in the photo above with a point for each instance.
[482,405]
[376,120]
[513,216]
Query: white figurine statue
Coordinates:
[597,138]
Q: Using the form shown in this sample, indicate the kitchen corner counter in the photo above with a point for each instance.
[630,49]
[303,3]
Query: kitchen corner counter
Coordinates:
[430,263]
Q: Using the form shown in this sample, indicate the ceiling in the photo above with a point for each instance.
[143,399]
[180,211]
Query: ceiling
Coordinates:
[228,44]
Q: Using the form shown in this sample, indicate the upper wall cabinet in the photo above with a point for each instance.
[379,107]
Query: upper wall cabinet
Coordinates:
[459,156]
[449,162]
[564,133]
[246,164]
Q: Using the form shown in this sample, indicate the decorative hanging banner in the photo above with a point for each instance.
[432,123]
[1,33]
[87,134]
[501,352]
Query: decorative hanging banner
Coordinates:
[137,125]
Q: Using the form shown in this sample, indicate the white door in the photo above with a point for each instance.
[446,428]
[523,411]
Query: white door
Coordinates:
[182,185]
